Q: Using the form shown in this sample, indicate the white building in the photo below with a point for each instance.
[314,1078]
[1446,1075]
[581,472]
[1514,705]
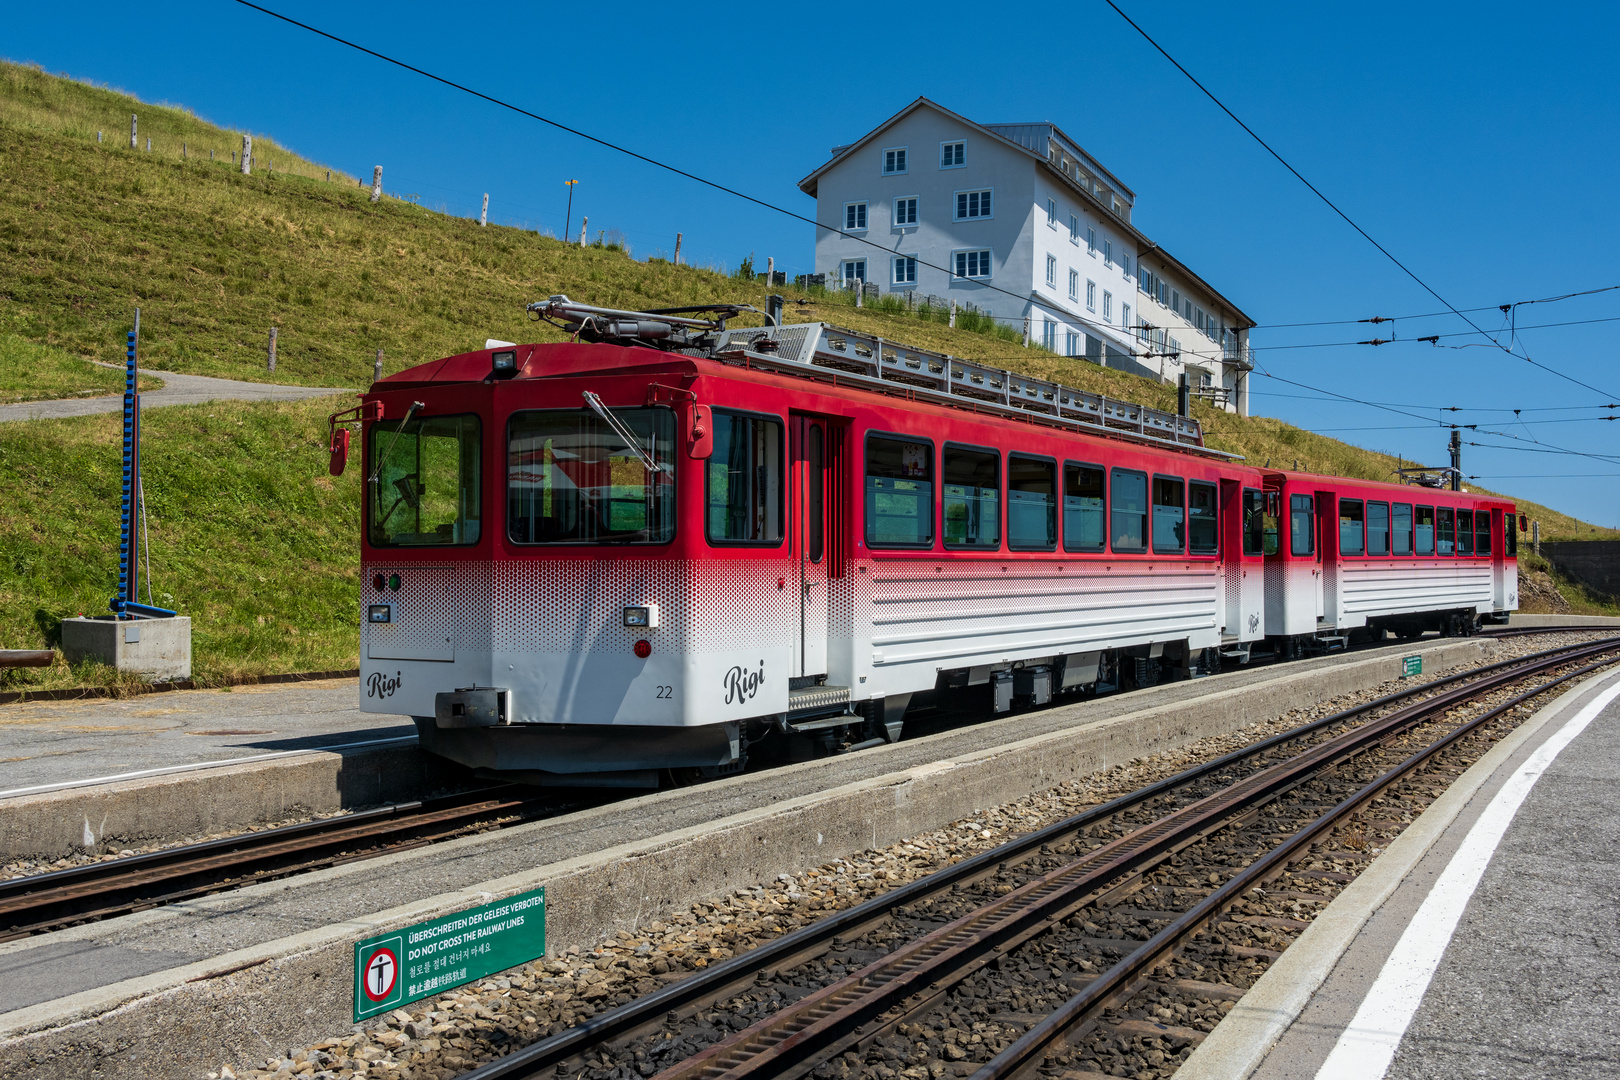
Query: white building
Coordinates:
[1020,222]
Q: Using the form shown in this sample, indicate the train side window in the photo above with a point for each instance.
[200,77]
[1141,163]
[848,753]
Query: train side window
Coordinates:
[1301,525]
[1377,528]
[1350,526]
[1254,523]
[1400,538]
[1031,503]
[1482,530]
[1203,536]
[1424,529]
[1083,512]
[1169,515]
[971,497]
[899,492]
[1445,539]
[1465,532]
[1510,535]
[744,477]
[814,503]
[1128,510]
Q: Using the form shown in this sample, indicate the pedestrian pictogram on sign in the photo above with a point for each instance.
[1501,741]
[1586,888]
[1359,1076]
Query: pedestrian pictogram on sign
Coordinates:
[382,972]
[377,983]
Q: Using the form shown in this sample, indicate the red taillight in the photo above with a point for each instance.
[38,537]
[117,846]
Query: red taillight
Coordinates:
[643,648]
[380,582]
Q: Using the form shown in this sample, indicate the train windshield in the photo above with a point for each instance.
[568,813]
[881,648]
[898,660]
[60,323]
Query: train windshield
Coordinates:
[571,479]
[424,483]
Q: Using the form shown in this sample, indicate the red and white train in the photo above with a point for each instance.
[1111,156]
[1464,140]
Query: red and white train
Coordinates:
[603,563]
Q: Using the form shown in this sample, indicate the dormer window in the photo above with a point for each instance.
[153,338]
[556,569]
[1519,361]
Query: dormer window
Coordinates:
[894,161]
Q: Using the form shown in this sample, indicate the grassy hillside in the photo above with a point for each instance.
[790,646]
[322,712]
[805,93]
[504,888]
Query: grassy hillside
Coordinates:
[249,535]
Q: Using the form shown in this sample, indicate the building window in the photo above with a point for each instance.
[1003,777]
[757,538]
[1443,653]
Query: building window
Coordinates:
[972,204]
[894,161]
[1071,343]
[905,269]
[855,215]
[1074,228]
[854,270]
[1125,316]
[1051,271]
[1091,241]
[952,155]
[905,211]
[1175,301]
[1049,335]
[1091,296]
[1108,306]
[1051,213]
[1074,287]
[973,264]
[1108,253]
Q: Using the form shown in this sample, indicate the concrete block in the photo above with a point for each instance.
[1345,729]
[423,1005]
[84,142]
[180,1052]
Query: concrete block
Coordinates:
[159,649]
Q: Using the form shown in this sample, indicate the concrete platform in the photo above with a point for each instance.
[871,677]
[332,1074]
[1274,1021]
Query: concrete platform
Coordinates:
[51,743]
[1484,943]
[177,990]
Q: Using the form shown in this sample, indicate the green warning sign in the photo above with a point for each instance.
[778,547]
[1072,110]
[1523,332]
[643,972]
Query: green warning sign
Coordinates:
[1411,665]
[405,965]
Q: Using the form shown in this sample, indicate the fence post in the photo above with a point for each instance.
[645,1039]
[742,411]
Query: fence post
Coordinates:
[247,155]
[860,293]
[210,155]
[272,348]
[98,136]
[953,315]
[376,368]
[1026,331]
[583,221]
[677,249]
[149,144]
[770,270]
[182,151]
[132,143]
[483,215]
[376,183]
[1535,537]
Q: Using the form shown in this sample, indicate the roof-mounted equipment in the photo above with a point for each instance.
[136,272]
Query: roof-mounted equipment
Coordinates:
[671,329]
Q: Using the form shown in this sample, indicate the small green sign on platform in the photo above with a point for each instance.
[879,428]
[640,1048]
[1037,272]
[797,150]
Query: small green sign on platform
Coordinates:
[1411,665]
[405,965]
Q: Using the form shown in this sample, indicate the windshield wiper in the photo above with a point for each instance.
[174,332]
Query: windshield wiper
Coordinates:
[386,453]
[624,433]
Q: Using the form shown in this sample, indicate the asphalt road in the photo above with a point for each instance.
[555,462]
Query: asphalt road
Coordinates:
[177,390]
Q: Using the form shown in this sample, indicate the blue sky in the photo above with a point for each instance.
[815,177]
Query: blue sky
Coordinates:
[1476,141]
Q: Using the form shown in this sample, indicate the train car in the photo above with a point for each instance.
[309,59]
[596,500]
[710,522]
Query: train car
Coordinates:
[711,542]
[1352,555]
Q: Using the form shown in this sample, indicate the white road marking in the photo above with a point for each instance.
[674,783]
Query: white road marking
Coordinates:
[1368,1045]
[199,765]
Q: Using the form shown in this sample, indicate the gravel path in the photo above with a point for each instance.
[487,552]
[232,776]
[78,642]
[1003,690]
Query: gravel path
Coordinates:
[177,390]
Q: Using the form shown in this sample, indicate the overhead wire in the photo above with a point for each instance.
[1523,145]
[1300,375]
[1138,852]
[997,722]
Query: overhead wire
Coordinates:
[1334,206]
[1434,314]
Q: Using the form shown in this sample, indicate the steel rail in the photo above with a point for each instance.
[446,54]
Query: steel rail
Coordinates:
[722,980]
[1020,1060]
[29,905]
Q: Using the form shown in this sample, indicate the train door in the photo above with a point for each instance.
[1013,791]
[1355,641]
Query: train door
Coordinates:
[1328,586]
[817,541]
[1242,546]
[1498,542]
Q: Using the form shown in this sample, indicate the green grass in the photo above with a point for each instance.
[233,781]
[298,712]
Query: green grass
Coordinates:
[250,536]
[30,372]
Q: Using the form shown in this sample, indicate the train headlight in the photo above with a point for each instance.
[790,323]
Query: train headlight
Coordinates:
[503,364]
[380,613]
[642,616]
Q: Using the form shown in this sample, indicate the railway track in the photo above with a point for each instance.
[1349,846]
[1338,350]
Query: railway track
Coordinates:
[42,902]
[813,1001]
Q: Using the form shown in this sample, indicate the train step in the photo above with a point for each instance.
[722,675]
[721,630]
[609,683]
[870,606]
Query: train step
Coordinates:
[817,700]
